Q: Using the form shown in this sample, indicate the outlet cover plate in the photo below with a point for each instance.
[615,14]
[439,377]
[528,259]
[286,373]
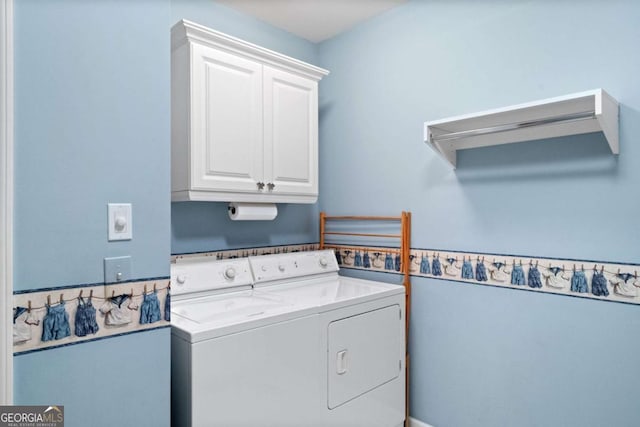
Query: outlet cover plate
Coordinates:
[117,269]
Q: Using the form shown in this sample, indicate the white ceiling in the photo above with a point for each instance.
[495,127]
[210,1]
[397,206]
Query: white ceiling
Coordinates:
[314,20]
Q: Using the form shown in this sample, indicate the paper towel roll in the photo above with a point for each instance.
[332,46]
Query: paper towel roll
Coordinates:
[252,211]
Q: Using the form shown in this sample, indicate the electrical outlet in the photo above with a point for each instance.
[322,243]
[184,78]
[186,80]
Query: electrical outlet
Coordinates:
[117,269]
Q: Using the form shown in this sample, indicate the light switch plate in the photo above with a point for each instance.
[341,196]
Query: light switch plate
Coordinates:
[119,221]
[117,269]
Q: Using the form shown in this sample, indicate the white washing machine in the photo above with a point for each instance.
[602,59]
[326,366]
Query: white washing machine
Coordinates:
[282,340]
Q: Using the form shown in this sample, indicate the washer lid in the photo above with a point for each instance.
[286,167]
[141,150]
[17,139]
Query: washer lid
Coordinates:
[201,318]
[228,308]
[203,273]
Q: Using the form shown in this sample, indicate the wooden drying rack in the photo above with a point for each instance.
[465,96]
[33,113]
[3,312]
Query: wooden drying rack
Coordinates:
[403,250]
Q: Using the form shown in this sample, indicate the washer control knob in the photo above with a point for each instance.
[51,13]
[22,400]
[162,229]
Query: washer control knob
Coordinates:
[181,279]
[264,268]
[323,262]
[230,273]
[281,267]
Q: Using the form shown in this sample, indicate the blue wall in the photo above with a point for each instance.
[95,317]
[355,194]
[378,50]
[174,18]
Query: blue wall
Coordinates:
[112,382]
[93,127]
[485,356]
[197,226]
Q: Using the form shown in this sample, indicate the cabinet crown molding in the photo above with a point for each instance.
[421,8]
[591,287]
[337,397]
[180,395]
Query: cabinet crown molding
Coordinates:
[184,31]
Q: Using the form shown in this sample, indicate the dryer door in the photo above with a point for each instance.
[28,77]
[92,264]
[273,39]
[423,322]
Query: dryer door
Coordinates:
[365,351]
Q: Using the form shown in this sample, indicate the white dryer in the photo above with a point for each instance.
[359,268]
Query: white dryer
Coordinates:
[282,340]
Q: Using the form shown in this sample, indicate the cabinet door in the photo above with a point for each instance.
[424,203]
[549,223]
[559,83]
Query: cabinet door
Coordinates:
[290,133]
[226,140]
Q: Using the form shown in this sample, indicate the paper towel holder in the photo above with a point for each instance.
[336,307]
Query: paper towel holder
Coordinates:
[252,211]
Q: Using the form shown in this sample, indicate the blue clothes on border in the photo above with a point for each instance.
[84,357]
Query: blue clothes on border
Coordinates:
[425,268]
[85,321]
[55,324]
[338,257]
[599,285]
[467,270]
[481,272]
[150,309]
[366,261]
[535,280]
[397,262]
[579,282]
[357,259]
[436,267]
[388,262]
[167,306]
[517,275]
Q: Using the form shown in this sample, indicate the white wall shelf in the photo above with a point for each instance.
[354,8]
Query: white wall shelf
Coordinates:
[575,114]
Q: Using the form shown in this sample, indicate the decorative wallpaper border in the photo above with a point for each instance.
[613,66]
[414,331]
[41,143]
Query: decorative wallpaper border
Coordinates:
[110,319]
[605,281]
[245,252]
[615,282]
[30,324]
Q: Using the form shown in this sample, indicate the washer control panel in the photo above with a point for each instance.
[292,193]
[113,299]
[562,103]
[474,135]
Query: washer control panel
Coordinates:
[267,268]
[199,274]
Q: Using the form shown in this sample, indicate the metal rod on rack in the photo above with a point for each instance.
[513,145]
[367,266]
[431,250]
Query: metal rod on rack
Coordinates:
[567,118]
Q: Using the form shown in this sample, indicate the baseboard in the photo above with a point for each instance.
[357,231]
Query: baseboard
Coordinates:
[417,423]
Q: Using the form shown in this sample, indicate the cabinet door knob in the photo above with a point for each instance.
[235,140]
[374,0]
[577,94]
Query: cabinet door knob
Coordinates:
[271,186]
[260,185]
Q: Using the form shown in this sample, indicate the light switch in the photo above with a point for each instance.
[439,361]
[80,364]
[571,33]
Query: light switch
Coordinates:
[120,225]
[117,269]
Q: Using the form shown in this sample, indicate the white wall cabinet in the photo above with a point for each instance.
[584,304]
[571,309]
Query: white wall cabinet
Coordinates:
[244,121]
